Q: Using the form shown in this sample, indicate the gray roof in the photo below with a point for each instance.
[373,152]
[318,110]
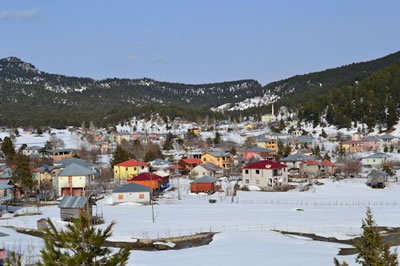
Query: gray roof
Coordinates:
[131,187]
[60,150]
[211,167]
[204,179]
[387,137]
[5,184]
[297,157]
[6,173]
[378,155]
[262,138]
[218,154]
[160,162]
[68,161]
[259,149]
[76,170]
[74,202]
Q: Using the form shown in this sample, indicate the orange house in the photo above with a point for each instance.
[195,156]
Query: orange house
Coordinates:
[149,180]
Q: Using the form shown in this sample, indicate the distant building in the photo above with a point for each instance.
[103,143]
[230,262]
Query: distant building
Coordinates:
[205,184]
[268,118]
[207,169]
[60,154]
[221,159]
[73,180]
[375,160]
[265,174]
[128,169]
[72,206]
[131,192]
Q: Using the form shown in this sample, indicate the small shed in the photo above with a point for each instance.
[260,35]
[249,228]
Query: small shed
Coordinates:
[42,224]
[131,192]
[72,206]
[377,179]
[206,184]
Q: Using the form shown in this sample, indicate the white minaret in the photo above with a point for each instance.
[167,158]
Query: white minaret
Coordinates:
[272,111]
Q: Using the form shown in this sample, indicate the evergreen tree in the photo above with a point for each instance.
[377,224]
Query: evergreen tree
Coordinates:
[168,142]
[337,263]
[217,138]
[327,157]
[80,244]
[48,145]
[372,251]
[323,134]
[7,147]
[233,150]
[120,155]
[22,174]
[287,150]
[280,148]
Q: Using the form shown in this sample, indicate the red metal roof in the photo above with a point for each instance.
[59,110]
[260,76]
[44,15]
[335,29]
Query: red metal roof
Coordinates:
[132,162]
[192,161]
[175,166]
[312,162]
[265,164]
[328,163]
[145,176]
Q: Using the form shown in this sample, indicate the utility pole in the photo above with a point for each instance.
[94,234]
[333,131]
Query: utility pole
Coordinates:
[151,197]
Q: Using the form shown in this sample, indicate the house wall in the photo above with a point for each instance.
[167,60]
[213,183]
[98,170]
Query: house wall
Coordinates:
[373,162]
[153,184]
[76,182]
[223,162]
[124,172]
[137,197]
[201,172]
[311,170]
[264,178]
[203,187]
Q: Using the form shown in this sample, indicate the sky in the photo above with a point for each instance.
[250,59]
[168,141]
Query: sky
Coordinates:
[197,41]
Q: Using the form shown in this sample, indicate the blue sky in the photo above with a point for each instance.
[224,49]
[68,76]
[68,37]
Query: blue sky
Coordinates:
[197,41]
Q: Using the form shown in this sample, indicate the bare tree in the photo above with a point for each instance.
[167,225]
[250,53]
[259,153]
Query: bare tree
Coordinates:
[352,166]
[250,142]
[56,143]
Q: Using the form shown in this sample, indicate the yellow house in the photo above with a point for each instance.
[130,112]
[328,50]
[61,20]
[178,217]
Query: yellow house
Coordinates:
[195,131]
[267,143]
[248,126]
[221,159]
[128,169]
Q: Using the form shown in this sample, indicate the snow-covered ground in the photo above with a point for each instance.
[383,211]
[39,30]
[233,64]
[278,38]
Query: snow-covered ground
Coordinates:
[333,209]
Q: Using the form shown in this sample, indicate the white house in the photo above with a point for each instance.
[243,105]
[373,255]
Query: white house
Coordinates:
[207,169]
[131,192]
[73,180]
[265,174]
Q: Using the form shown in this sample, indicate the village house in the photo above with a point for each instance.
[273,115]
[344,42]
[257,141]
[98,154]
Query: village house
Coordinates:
[188,164]
[194,131]
[128,169]
[73,180]
[121,137]
[160,164]
[352,146]
[316,169]
[207,169]
[377,179]
[265,174]
[257,153]
[59,154]
[32,151]
[369,144]
[44,174]
[131,192]
[205,184]
[221,159]
[6,190]
[294,162]
[72,206]
[375,160]
[264,142]
[150,180]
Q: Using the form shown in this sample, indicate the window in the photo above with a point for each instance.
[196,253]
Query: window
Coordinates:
[134,169]
[142,167]
[257,172]
[141,196]
[205,159]
[126,169]
[246,171]
[275,173]
[120,196]
[247,181]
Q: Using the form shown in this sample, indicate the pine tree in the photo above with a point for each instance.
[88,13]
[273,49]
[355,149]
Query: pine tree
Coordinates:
[323,134]
[120,155]
[7,147]
[337,263]
[22,174]
[168,142]
[80,244]
[372,251]
[217,138]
